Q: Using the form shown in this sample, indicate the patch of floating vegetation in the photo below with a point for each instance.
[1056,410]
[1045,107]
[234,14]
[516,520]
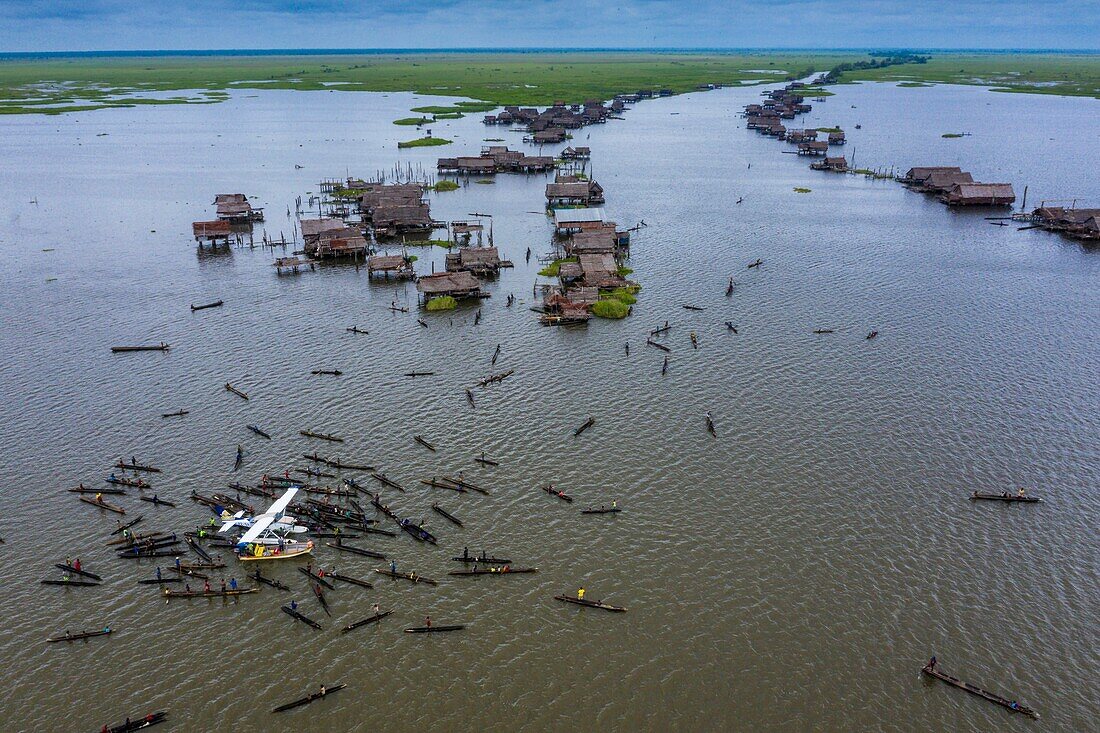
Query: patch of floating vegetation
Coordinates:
[424,142]
[554,268]
[444,185]
[441,303]
[445,244]
[413,121]
[914,84]
[800,189]
[610,308]
[485,181]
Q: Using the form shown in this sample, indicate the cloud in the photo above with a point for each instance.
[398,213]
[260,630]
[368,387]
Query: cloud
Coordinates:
[56,25]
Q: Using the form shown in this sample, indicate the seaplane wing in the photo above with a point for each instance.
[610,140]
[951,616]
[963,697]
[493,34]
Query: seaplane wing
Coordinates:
[281,503]
[258,528]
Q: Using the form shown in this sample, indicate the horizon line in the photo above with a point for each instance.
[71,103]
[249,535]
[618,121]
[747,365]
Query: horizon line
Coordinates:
[529,50]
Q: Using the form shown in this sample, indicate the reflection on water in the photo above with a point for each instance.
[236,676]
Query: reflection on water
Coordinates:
[799,567]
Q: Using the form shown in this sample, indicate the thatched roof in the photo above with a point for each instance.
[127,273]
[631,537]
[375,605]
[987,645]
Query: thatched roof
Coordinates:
[447,283]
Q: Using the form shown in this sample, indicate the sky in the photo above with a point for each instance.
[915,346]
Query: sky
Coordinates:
[101,25]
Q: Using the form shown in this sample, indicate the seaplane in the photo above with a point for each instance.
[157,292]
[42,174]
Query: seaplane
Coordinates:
[266,537]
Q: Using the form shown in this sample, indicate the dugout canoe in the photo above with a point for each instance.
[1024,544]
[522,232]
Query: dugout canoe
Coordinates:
[230,388]
[136,467]
[77,583]
[169,593]
[590,604]
[156,501]
[487,461]
[1004,497]
[110,492]
[298,616]
[433,629]
[463,483]
[348,579]
[177,413]
[979,692]
[105,631]
[437,484]
[321,597]
[135,483]
[356,550]
[325,691]
[426,444]
[268,581]
[587,424]
[444,513]
[368,620]
[314,576]
[601,510]
[406,576]
[549,489]
[204,306]
[321,436]
[152,347]
[328,372]
[256,429]
[71,569]
[127,526]
[482,560]
[160,581]
[383,479]
[147,721]
[102,505]
[495,571]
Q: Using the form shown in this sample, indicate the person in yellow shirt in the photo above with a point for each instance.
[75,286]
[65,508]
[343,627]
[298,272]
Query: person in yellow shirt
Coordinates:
[580,594]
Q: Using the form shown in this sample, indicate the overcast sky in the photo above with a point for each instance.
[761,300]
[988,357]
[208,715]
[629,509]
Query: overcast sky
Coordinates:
[94,25]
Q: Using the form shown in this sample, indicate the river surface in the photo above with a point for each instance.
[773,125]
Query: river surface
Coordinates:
[793,573]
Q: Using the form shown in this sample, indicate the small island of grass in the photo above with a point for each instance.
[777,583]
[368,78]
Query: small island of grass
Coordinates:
[424,142]
[800,189]
[554,268]
[441,303]
[413,121]
[914,84]
[444,185]
[610,308]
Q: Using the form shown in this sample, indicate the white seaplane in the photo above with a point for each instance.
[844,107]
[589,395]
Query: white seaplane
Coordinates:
[266,538]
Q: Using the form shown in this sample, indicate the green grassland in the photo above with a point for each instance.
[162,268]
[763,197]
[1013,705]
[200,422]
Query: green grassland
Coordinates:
[1066,74]
[67,84]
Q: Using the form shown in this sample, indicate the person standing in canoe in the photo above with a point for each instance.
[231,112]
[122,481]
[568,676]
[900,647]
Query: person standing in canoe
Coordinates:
[76,565]
[158,572]
[232,584]
[393,566]
[99,497]
[1021,493]
[206,586]
[580,594]
[428,622]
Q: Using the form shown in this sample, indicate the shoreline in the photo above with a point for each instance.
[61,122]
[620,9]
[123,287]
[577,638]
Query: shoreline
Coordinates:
[60,84]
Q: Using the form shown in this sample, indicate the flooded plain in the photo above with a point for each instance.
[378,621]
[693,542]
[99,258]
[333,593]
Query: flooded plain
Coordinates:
[793,573]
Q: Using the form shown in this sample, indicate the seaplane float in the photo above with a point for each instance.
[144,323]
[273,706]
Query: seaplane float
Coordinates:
[267,535]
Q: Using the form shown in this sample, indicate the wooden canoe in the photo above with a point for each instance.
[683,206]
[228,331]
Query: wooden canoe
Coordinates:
[324,692]
[433,629]
[979,692]
[1004,497]
[102,505]
[369,620]
[82,635]
[406,576]
[590,604]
